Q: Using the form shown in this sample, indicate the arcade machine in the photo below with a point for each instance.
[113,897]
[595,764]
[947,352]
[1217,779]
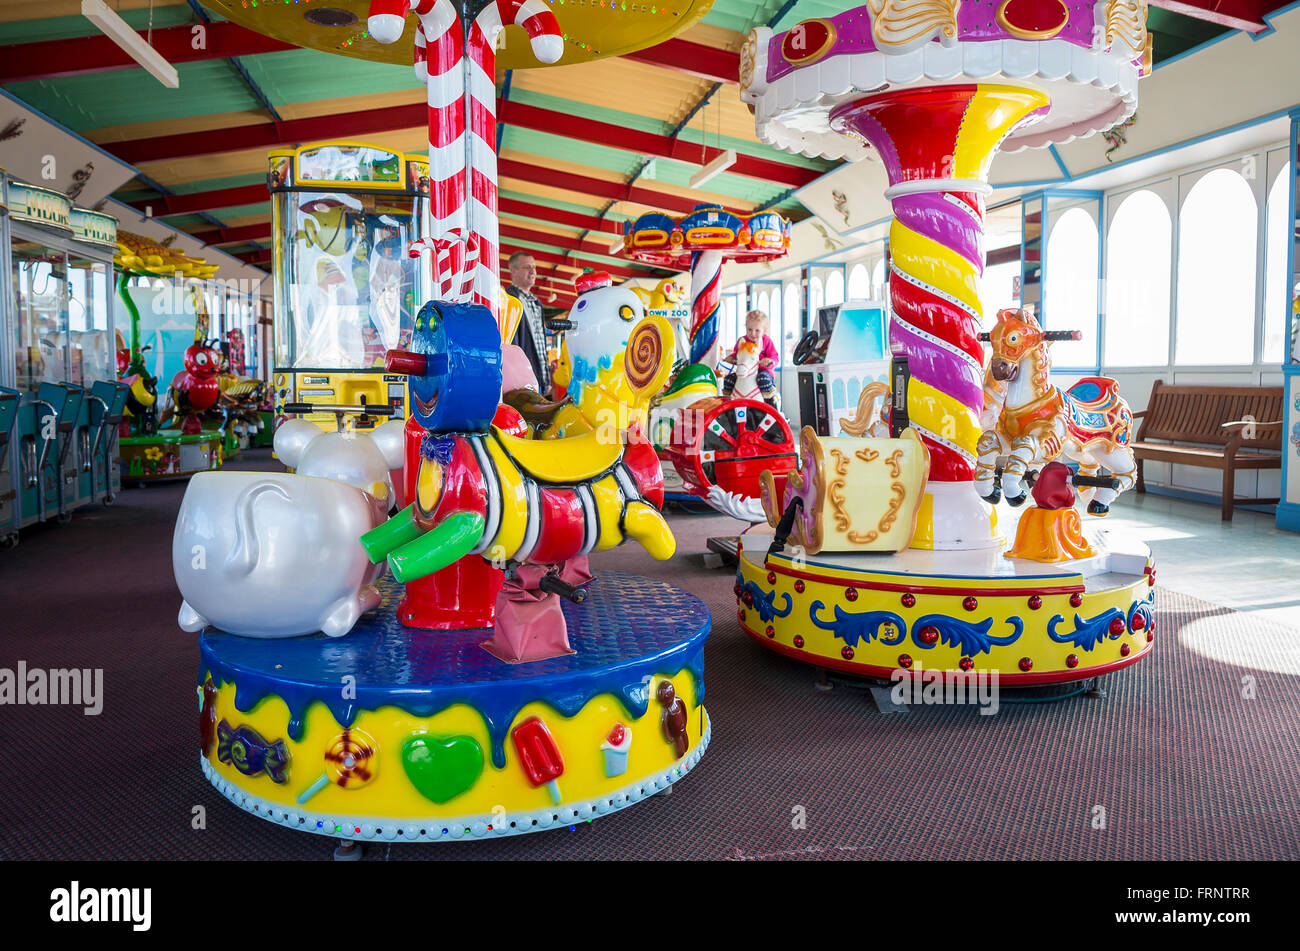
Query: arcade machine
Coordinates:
[846,352]
[59,374]
[345,289]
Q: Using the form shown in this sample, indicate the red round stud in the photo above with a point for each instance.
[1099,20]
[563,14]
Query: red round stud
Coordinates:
[905,661]
[737,588]
[798,640]
[798,586]
[1026,664]
[966,663]
[1117,627]
[1124,650]
[771,631]
[1076,599]
[1072,661]
[970,603]
[909,600]
[928,635]
[740,616]
[771,577]
[846,652]
[1035,602]
[1139,622]
[851,594]
[748,598]
[1151,636]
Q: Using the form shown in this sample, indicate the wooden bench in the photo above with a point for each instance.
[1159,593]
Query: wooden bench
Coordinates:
[1237,427]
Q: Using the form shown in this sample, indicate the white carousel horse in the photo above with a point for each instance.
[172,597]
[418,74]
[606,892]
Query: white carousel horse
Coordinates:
[1034,422]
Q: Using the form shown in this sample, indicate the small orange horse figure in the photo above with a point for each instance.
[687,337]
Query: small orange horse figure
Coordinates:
[1034,422]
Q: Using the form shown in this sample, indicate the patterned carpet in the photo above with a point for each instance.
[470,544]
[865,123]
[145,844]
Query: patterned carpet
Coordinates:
[1195,753]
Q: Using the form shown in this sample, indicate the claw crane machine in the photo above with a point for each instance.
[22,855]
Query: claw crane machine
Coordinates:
[345,289]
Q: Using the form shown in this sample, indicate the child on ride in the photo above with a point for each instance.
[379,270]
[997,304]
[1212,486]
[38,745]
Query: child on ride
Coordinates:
[756,334]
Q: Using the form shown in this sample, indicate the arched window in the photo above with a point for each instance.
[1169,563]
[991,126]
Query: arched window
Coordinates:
[835,287]
[878,280]
[1216,271]
[1071,291]
[792,329]
[1139,256]
[859,283]
[816,297]
[1277,274]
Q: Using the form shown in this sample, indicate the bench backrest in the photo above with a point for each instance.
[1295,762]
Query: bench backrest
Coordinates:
[1197,413]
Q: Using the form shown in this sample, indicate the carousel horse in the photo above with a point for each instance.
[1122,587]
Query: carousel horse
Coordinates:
[1034,422]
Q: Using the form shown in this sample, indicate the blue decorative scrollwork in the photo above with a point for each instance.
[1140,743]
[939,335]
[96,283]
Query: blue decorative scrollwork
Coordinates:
[864,625]
[1086,634]
[765,602]
[1143,608]
[970,637]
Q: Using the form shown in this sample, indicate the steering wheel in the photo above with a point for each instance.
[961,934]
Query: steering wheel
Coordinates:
[806,347]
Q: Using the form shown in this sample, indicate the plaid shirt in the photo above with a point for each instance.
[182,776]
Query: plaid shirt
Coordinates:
[530,336]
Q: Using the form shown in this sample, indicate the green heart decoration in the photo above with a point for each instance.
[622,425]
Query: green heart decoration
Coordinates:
[442,767]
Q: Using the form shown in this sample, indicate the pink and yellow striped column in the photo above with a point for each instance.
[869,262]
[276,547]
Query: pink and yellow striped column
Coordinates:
[936,144]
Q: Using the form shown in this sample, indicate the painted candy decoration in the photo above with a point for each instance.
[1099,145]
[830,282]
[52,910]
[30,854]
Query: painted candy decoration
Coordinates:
[674,717]
[349,763]
[615,748]
[539,757]
[246,750]
[207,716]
[442,768]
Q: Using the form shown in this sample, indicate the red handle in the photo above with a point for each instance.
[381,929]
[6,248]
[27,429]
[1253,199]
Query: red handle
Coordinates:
[403,361]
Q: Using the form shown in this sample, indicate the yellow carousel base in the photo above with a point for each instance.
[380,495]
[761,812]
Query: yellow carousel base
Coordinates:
[954,612]
[393,734]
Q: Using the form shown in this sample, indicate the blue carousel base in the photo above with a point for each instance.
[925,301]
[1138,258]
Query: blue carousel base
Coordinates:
[429,719]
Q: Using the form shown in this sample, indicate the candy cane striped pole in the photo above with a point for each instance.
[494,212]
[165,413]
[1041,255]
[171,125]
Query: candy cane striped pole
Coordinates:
[937,144]
[706,306]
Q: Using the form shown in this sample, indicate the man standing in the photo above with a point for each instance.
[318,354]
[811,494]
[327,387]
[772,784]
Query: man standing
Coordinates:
[531,333]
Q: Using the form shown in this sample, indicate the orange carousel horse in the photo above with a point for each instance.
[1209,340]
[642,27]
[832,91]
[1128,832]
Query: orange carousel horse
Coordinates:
[1033,422]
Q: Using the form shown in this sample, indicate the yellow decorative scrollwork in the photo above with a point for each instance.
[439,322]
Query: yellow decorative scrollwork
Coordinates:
[748,60]
[899,493]
[895,463]
[835,494]
[867,455]
[841,462]
[897,23]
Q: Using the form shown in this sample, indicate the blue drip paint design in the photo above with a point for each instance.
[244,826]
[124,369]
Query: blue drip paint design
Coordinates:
[1143,608]
[864,625]
[764,602]
[628,630]
[970,637]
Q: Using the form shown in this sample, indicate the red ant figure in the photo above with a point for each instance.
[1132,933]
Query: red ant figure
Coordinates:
[195,389]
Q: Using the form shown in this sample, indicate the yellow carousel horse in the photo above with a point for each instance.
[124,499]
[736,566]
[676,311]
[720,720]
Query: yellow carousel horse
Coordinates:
[1033,422]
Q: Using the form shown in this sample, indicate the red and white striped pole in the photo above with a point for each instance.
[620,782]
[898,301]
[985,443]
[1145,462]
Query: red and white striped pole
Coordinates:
[455,55]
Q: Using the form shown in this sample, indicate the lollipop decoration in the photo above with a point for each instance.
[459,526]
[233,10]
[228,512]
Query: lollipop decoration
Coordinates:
[348,763]
[709,235]
[935,88]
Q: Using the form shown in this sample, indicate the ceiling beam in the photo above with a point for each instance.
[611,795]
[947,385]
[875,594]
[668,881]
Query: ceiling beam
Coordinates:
[571,126]
[78,55]
[269,135]
[694,59]
[203,201]
[577,261]
[527,209]
[258,232]
[563,242]
[1247,15]
[596,187]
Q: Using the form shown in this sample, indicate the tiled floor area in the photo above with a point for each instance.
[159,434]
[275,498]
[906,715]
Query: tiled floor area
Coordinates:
[1246,564]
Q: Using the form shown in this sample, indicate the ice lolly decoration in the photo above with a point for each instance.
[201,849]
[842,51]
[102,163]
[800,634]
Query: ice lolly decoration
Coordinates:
[538,755]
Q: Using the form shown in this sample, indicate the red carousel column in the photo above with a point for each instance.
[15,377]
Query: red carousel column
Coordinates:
[937,144]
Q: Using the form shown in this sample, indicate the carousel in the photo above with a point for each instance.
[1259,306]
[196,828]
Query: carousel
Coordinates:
[886,554]
[454,671]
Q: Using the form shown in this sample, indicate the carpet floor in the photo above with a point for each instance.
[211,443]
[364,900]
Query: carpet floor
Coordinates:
[1194,754]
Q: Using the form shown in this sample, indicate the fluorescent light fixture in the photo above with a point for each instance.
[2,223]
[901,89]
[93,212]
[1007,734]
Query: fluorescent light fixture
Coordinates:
[710,171]
[651,169]
[120,32]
